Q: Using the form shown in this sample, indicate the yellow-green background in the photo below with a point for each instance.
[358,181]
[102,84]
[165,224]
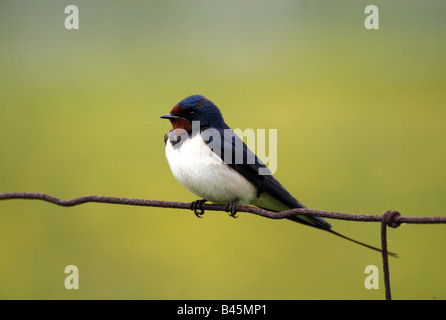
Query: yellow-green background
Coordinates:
[361,128]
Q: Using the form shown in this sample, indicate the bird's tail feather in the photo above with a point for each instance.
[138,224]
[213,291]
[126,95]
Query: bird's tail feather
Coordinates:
[320,223]
[392,254]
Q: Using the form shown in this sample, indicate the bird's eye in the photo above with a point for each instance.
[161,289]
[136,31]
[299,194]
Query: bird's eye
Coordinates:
[192,113]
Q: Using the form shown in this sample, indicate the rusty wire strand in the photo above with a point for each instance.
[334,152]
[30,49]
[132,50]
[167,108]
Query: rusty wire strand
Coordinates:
[390,218]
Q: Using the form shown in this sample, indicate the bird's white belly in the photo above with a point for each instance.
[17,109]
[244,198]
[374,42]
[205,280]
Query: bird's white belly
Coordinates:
[196,167]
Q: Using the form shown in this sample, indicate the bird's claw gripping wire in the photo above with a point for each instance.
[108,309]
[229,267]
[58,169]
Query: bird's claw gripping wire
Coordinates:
[197,207]
[230,207]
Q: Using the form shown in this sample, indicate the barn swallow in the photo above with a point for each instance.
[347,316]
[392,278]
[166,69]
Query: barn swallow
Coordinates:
[197,153]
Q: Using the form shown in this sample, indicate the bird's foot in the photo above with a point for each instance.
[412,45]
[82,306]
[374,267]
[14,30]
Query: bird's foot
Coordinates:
[230,207]
[197,207]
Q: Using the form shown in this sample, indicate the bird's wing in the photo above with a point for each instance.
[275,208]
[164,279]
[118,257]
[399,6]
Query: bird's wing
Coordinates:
[266,183]
[245,162]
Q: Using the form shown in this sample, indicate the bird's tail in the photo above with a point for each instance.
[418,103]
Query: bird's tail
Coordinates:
[392,254]
[320,223]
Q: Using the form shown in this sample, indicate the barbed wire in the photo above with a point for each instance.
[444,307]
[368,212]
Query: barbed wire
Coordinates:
[390,218]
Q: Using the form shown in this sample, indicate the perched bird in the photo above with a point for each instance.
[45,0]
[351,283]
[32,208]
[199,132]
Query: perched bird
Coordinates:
[212,162]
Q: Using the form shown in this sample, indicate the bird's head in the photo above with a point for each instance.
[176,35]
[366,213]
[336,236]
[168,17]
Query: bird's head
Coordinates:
[195,108]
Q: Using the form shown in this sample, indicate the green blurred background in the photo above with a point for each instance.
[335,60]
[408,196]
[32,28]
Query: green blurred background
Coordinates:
[361,128]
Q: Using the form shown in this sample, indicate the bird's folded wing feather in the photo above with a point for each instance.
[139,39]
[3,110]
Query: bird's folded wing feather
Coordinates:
[245,162]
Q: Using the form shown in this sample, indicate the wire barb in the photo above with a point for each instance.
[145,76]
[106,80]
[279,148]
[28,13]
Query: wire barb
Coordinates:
[391,218]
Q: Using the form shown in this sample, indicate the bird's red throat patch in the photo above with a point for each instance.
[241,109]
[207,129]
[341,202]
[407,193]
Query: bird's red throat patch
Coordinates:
[179,123]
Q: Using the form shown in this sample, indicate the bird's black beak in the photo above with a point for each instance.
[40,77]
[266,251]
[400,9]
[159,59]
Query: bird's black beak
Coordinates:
[170,116]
